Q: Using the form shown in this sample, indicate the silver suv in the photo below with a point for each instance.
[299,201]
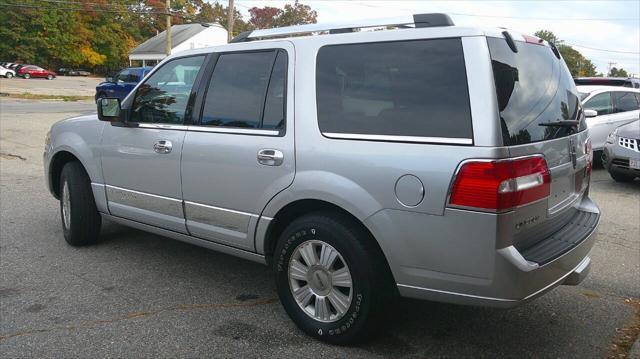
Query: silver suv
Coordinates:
[431,161]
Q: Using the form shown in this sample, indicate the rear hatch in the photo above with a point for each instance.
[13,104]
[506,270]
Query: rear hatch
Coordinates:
[541,114]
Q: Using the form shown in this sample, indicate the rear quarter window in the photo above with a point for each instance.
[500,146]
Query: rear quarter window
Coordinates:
[403,88]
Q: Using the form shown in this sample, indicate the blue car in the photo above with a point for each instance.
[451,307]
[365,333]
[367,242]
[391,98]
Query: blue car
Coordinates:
[121,84]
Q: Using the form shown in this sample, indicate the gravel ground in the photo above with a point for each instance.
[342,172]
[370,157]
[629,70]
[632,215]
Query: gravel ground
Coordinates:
[139,295]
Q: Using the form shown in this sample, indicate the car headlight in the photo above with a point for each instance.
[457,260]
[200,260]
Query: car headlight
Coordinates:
[612,136]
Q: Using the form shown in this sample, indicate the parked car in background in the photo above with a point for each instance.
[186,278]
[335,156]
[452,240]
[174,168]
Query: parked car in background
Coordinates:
[64,71]
[621,156]
[606,108]
[122,83]
[608,81]
[29,71]
[5,72]
[359,190]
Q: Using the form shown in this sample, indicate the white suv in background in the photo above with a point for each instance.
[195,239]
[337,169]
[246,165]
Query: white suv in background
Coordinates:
[611,107]
[4,72]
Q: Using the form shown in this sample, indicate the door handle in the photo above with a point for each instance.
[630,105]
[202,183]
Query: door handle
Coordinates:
[162,146]
[269,157]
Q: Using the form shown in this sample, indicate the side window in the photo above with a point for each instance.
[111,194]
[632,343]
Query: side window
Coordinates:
[274,111]
[123,76]
[133,76]
[626,101]
[600,103]
[404,88]
[237,94]
[163,97]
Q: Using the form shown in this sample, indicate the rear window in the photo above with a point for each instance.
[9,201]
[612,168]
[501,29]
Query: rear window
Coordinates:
[533,87]
[404,88]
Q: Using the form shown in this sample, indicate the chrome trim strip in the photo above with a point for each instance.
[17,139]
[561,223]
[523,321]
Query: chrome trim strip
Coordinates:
[216,217]
[160,126]
[457,294]
[145,201]
[189,239]
[220,208]
[415,139]
[241,131]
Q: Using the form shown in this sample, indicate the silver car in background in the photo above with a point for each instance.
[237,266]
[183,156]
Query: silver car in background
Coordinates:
[621,156]
[427,160]
[607,108]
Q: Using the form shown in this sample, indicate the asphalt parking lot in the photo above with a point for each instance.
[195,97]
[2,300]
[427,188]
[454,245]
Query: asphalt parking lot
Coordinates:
[139,295]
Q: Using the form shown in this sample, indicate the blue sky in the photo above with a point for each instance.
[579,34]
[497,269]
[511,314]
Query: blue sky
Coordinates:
[603,25]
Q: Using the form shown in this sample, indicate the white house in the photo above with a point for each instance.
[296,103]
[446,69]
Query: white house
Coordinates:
[183,37]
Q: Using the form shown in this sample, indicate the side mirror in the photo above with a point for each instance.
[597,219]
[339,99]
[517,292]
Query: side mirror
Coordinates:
[109,109]
[590,113]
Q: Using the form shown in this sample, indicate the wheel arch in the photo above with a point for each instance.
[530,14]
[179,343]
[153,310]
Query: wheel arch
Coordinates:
[58,161]
[301,207]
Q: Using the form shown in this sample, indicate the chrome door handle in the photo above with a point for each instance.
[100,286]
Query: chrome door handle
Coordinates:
[270,157]
[162,146]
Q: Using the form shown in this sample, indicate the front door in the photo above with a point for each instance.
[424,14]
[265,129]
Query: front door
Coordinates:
[240,154]
[141,161]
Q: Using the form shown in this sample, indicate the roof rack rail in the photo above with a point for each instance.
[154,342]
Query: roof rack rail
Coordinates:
[417,20]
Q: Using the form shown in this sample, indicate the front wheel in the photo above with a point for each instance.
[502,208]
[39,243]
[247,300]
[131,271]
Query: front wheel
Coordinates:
[80,218]
[330,278]
[49,77]
[27,76]
[8,75]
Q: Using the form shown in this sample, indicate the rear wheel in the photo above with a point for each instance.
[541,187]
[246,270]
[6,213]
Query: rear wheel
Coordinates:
[49,77]
[27,76]
[330,278]
[619,177]
[8,75]
[80,218]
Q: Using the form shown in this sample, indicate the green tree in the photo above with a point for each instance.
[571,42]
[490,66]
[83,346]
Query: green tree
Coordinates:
[578,64]
[268,17]
[615,72]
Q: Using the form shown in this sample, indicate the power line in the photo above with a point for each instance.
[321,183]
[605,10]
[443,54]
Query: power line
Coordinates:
[604,50]
[80,9]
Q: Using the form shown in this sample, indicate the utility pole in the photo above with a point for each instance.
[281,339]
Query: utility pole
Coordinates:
[610,65]
[230,19]
[167,49]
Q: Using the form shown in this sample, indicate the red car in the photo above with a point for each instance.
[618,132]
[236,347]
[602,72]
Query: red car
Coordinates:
[30,71]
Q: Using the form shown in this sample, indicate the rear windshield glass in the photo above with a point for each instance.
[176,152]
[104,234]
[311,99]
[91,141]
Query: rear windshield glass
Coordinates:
[533,88]
[404,88]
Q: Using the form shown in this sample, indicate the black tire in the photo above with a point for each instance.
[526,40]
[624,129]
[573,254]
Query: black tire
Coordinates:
[8,75]
[27,76]
[85,221]
[49,77]
[372,283]
[619,177]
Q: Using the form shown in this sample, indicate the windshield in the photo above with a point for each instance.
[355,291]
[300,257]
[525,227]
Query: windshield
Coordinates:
[533,88]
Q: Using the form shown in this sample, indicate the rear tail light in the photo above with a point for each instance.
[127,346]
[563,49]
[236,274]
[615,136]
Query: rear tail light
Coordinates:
[500,185]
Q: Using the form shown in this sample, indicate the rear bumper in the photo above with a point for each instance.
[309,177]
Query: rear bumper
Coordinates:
[501,277]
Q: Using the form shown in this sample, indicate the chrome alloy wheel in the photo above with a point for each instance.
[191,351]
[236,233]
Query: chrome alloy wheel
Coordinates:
[320,281]
[66,206]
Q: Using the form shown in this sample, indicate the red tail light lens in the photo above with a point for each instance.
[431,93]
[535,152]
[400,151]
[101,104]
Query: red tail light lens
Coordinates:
[502,184]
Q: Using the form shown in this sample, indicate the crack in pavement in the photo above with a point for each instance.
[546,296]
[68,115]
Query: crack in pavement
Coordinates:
[140,314]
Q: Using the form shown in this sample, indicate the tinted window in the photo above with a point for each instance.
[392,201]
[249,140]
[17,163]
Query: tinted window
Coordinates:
[626,101]
[164,95]
[133,76]
[236,93]
[600,103]
[274,111]
[533,87]
[405,88]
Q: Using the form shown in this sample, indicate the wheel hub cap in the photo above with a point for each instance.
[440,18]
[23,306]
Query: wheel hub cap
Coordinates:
[320,281]
[66,206]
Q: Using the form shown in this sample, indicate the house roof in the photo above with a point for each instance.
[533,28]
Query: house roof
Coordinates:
[179,34]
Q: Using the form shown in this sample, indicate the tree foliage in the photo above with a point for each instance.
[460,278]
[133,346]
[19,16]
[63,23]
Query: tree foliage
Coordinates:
[618,72]
[52,36]
[578,65]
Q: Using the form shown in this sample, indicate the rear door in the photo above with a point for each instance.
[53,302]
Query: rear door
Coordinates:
[626,108]
[241,152]
[540,113]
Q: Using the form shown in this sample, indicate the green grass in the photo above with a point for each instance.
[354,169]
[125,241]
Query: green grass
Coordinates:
[33,96]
